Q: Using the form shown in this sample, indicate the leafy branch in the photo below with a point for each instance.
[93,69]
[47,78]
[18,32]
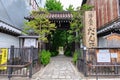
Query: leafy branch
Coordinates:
[40,25]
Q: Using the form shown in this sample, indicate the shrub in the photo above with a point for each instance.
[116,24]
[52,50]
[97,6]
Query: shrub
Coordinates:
[54,53]
[80,54]
[75,57]
[67,53]
[45,57]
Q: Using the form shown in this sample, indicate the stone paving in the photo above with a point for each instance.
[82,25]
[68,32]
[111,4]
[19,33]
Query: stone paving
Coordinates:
[60,68]
[99,77]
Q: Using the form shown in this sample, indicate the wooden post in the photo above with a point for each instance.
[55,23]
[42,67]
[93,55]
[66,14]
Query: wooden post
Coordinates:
[10,69]
[85,62]
[116,67]
[31,65]
[96,72]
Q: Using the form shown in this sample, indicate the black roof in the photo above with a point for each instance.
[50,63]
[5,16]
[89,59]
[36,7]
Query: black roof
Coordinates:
[9,29]
[110,27]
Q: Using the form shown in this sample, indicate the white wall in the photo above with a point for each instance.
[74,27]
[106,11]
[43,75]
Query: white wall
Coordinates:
[7,40]
[102,42]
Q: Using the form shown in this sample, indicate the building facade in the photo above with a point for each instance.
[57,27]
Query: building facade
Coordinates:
[108,25]
[12,13]
[106,10]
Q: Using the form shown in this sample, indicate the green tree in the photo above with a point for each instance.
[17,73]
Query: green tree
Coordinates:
[76,26]
[70,8]
[53,5]
[40,25]
[58,39]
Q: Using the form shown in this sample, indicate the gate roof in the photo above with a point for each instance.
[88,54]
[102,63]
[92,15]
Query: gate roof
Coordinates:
[56,15]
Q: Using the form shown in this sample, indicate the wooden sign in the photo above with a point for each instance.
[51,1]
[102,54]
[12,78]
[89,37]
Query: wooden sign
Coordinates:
[90,34]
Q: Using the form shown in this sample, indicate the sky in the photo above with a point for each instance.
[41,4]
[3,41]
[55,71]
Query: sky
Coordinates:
[75,3]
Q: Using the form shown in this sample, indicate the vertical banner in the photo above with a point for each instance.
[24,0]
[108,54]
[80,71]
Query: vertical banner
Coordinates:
[3,57]
[90,33]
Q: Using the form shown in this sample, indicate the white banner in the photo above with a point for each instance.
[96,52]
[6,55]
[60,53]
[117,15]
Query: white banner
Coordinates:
[103,57]
[30,42]
[114,55]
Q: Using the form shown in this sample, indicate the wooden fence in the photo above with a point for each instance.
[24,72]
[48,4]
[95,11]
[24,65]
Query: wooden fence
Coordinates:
[19,62]
[99,61]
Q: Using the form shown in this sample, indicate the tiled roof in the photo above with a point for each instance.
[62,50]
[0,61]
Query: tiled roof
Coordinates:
[63,15]
[9,28]
[111,27]
[60,15]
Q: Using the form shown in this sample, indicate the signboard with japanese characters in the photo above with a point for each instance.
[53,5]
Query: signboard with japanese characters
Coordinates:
[103,56]
[114,55]
[90,37]
[3,58]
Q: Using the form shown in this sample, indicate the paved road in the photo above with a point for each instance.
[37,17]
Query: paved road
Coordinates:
[60,68]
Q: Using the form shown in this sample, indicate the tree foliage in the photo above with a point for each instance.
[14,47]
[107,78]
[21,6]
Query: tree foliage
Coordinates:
[58,39]
[53,5]
[70,8]
[76,26]
[40,25]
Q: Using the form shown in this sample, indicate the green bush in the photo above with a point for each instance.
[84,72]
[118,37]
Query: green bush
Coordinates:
[75,57]
[80,54]
[45,57]
[54,53]
[67,53]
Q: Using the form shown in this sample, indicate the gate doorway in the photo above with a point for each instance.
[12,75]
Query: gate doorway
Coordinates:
[59,37]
